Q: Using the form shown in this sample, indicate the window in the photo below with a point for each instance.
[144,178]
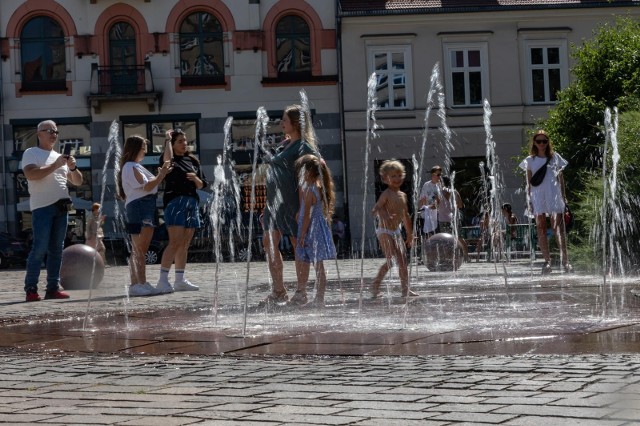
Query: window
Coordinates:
[155,132]
[243,133]
[42,49]
[293,48]
[546,70]
[201,50]
[123,74]
[466,74]
[76,137]
[392,65]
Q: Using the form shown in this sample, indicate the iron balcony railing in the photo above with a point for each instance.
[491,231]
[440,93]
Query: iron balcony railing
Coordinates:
[121,80]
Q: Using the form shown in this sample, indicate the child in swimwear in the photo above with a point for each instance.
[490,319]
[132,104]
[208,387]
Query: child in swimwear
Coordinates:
[314,242]
[392,211]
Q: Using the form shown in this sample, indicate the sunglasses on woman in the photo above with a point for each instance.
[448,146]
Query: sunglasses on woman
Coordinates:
[541,141]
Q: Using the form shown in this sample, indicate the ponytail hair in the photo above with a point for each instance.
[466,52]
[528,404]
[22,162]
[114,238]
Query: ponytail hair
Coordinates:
[301,118]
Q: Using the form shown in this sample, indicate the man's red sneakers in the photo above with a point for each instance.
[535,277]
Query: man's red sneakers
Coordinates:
[33,296]
[55,295]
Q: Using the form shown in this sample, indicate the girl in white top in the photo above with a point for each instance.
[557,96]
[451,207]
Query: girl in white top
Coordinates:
[548,198]
[138,187]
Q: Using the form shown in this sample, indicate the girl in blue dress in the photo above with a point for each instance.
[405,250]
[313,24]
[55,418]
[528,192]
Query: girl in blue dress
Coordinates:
[314,240]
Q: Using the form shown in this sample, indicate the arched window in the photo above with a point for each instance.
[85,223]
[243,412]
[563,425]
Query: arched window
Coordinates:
[293,48]
[201,50]
[124,74]
[42,53]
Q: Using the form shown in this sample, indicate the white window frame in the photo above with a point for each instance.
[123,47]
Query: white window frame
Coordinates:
[405,49]
[563,66]
[483,68]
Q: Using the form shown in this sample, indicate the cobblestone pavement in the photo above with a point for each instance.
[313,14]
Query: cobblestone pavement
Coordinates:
[169,390]
[597,383]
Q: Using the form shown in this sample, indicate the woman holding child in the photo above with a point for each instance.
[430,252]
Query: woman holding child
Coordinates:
[279,218]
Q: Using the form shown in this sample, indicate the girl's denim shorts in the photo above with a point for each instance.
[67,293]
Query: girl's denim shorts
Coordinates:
[182,211]
[141,213]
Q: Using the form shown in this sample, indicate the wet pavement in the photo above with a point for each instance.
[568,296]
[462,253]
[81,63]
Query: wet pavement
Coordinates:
[477,346]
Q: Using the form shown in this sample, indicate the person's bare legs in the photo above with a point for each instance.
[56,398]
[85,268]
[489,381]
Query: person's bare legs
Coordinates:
[302,273]
[557,221]
[176,242]
[543,241]
[465,249]
[321,280]
[102,251]
[403,267]
[180,259]
[387,245]
[270,242]
[140,244]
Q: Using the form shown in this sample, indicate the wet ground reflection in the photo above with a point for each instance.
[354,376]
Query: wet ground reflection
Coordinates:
[463,315]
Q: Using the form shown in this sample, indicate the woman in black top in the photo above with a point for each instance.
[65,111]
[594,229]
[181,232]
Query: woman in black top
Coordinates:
[181,209]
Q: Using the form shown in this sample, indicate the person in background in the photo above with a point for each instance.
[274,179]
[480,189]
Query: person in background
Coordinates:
[392,212]
[449,207]
[315,245]
[48,173]
[181,210]
[138,187]
[510,218]
[430,197]
[279,217]
[547,198]
[484,232]
[338,231]
[93,233]
[450,212]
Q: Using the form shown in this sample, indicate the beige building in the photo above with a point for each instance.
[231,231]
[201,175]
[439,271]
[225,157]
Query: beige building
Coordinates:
[152,65]
[515,54]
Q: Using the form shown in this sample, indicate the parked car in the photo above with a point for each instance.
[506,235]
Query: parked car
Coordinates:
[12,251]
[118,248]
[202,247]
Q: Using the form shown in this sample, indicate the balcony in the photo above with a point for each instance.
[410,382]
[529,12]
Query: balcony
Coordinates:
[123,84]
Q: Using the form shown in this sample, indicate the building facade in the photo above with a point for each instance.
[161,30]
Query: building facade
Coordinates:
[153,65]
[515,54]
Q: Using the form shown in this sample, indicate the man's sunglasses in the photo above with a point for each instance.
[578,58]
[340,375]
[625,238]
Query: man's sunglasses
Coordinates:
[50,131]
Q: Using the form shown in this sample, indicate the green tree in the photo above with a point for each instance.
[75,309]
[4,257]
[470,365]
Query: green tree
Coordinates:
[607,74]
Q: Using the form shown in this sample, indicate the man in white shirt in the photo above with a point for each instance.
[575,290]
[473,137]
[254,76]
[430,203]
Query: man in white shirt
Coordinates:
[48,172]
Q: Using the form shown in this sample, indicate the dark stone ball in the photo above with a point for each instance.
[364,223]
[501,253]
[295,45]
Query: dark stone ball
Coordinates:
[442,252]
[79,263]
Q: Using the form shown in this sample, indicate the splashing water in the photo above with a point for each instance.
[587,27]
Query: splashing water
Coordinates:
[260,133]
[372,127]
[113,152]
[309,130]
[495,186]
[434,88]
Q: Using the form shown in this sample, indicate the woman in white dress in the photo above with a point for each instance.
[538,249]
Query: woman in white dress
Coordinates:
[548,198]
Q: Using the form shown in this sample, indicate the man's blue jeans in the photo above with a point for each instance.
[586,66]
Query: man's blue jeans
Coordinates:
[49,226]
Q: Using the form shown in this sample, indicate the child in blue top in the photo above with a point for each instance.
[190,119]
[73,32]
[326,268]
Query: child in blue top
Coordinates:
[314,239]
